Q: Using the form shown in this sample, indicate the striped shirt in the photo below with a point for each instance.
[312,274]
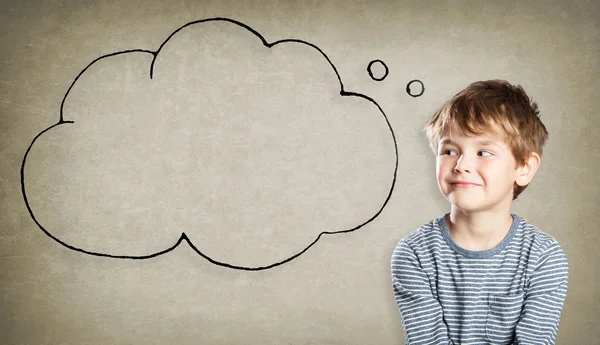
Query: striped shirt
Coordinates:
[511,294]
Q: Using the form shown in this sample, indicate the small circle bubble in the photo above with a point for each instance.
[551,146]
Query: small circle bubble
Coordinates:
[415,91]
[381,70]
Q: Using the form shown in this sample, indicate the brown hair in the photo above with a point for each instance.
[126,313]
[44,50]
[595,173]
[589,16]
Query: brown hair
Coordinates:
[492,106]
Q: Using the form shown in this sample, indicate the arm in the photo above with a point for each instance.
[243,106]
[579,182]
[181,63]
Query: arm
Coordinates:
[544,299]
[420,311]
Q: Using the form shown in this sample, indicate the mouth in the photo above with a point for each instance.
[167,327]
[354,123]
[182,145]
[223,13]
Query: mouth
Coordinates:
[463,184]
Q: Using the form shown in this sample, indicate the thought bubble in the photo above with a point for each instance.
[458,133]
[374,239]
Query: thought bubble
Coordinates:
[248,151]
[415,88]
[378,70]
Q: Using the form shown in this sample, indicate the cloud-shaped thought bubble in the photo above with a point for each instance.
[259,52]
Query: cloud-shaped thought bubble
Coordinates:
[249,151]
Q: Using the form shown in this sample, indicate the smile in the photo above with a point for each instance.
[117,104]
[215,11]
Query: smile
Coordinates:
[464,185]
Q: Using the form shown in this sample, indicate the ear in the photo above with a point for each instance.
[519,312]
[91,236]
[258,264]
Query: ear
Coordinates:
[526,172]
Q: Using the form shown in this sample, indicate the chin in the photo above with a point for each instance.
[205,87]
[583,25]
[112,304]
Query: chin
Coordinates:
[466,205]
[466,208]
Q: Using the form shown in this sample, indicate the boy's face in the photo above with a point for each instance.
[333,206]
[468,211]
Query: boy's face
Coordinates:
[476,173]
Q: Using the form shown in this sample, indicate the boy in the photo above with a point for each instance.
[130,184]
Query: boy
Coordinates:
[480,274]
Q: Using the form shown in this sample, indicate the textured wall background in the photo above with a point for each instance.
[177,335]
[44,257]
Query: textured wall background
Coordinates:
[252,153]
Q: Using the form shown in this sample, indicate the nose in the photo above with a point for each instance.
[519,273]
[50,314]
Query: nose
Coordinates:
[463,164]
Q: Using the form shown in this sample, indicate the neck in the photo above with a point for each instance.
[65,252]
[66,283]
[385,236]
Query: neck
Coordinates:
[478,230]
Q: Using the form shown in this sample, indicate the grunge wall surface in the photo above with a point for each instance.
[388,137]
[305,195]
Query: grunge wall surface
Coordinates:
[228,172]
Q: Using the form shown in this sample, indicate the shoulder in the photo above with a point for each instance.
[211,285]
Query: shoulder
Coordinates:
[417,248]
[539,240]
[423,237]
[542,245]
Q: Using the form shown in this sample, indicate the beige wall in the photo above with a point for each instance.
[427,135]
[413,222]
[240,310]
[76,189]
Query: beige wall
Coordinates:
[252,153]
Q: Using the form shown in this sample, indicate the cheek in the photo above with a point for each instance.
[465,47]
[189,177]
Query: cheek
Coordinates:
[440,168]
[444,166]
[495,171]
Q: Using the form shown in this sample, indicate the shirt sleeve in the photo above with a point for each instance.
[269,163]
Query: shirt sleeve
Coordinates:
[421,313]
[544,299]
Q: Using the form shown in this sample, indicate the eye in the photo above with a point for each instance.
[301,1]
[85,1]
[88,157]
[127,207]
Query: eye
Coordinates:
[485,153]
[448,152]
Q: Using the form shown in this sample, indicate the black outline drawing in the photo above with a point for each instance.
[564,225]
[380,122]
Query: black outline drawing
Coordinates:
[415,81]
[371,72]
[183,236]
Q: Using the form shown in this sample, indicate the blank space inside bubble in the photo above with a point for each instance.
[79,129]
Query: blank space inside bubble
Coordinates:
[251,155]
